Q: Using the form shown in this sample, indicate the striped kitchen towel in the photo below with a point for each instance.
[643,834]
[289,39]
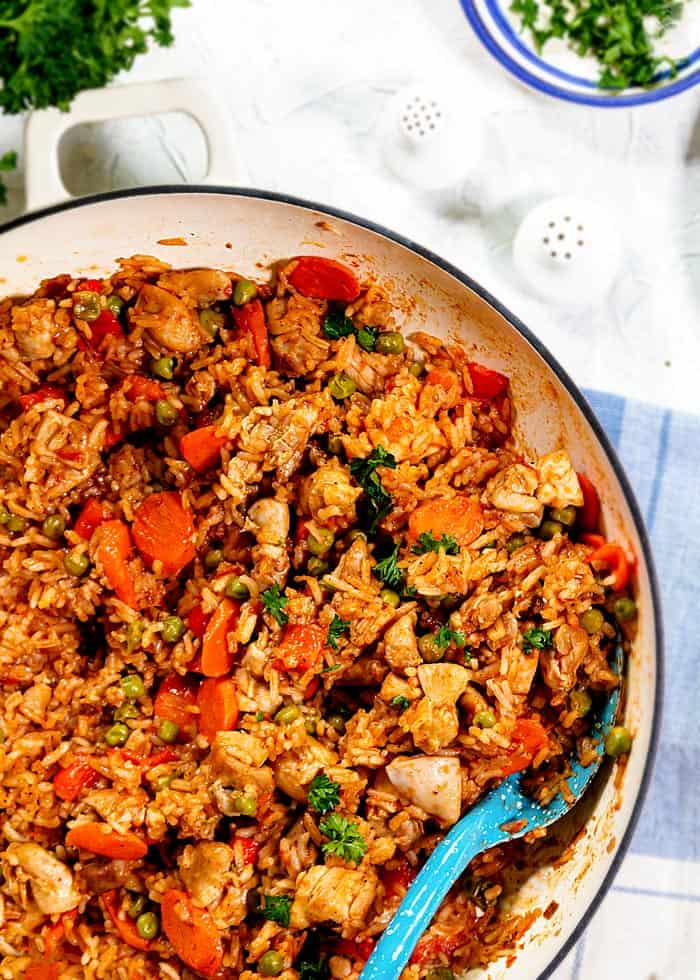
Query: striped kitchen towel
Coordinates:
[648,926]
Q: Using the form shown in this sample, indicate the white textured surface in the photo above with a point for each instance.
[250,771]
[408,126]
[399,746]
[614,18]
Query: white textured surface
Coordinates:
[305,84]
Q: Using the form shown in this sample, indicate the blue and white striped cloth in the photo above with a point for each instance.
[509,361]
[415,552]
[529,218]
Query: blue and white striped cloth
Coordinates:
[648,927]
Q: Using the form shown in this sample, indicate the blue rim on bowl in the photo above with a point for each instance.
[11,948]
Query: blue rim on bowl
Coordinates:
[499,37]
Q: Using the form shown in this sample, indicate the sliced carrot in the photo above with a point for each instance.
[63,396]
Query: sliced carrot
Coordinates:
[615,558]
[55,933]
[100,838]
[251,319]
[442,377]
[93,514]
[527,738]
[69,783]
[175,698]
[163,531]
[589,515]
[301,646]
[42,394]
[459,516]
[125,927]
[202,447]
[217,701]
[192,933]
[137,386]
[113,550]
[324,279]
[217,659]
[486,383]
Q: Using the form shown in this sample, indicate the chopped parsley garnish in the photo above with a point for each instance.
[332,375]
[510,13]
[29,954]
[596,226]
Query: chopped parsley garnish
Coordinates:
[344,838]
[365,473]
[445,636]
[428,542]
[259,716]
[400,702]
[274,603]
[337,325]
[331,668]
[618,35]
[324,794]
[367,337]
[536,639]
[276,908]
[313,969]
[335,631]
[388,571]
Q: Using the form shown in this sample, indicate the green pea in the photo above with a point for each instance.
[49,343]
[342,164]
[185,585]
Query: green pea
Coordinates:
[126,712]
[548,529]
[247,806]
[485,719]
[117,734]
[236,589]
[430,649]
[618,741]
[341,386]
[514,542]
[86,305]
[270,964]
[5,515]
[311,722]
[355,534]
[564,515]
[166,413]
[389,343]
[54,526]
[244,291]
[337,722]
[167,731]
[440,973]
[288,714]
[624,609]
[592,621]
[321,541]
[416,369]
[134,634]
[132,686]
[581,702]
[211,321]
[213,559]
[137,903]
[173,628]
[316,567]
[148,925]
[335,445]
[15,524]
[163,367]
[115,304]
[390,597]
[76,563]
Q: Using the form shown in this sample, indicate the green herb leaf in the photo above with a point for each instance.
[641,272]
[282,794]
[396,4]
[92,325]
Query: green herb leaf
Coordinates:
[324,794]
[388,572]
[365,473]
[331,668]
[400,702]
[277,908]
[536,639]
[337,325]
[428,542]
[274,603]
[344,838]
[367,337]
[313,969]
[336,629]
[259,716]
[445,636]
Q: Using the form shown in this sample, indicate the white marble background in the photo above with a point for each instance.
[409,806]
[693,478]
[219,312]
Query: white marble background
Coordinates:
[304,84]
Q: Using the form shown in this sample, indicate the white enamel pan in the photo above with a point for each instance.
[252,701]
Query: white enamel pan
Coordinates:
[246,230]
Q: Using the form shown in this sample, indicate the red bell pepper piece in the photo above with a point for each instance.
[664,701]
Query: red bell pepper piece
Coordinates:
[486,383]
[355,949]
[527,738]
[176,696]
[106,325]
[91,286]
[136,386]
[42,394]
[251,319]
[396,880]
[589,515]
[249,847]
[197,621]
[93,514]
[615,558]
[69,783]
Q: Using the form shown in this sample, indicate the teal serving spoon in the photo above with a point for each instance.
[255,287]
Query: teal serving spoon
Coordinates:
[504,814]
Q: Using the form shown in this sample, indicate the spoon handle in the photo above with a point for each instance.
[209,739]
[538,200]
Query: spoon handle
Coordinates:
[434,880]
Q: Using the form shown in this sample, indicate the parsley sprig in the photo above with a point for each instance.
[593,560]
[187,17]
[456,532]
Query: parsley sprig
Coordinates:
[336,629]
[324,794]
[400,702]
[388,571]
[365,473]
[445,636]
[274,602]
[344,838]
[536,639]
[428,542]
[337,325]
[277,908]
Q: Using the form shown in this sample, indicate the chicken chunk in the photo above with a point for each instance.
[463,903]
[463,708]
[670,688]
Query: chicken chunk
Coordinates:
[341,895]
[433,721]
[282,431]
[401,645]
[294,323]
[199,287]
[434,783]
[51,880]
[513,490]
[328,495]
[560,664]
[169,321]
[269,519]
[205,868]
[238,760]
[295,769]
[34,328]
[558,483]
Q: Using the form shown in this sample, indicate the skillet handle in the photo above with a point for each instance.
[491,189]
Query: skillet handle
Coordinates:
[44,129]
